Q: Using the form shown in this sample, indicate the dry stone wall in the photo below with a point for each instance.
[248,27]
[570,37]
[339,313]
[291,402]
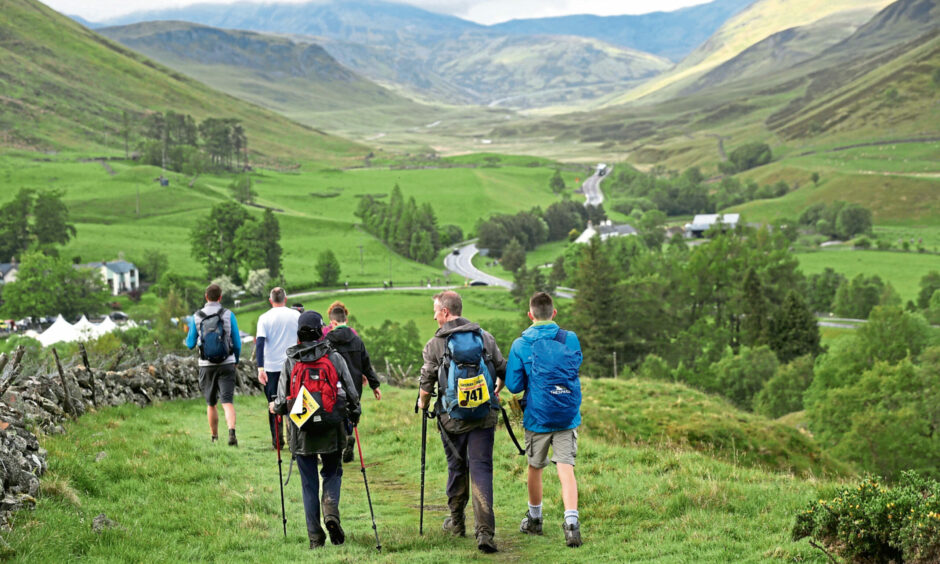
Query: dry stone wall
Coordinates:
[41,403]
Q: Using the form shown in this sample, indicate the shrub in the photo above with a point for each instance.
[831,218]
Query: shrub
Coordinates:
[875,523]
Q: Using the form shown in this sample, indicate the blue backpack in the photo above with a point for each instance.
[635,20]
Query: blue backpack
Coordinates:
[465,377]
[213,341]
[553,390]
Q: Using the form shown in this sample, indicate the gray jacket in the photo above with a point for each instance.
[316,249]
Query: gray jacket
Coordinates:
[433,355]
[300,441]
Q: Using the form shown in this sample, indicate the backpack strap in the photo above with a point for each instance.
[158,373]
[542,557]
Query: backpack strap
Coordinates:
[561,335]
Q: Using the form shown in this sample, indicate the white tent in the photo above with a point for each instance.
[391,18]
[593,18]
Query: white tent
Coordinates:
[58,332]
[105,327]
[86,329]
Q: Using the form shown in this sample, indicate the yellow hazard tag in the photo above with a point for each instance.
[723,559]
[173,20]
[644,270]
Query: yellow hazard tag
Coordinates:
[472,392]
[303,408]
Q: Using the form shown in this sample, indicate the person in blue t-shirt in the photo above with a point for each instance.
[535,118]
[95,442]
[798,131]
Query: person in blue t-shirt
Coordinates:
[540,433]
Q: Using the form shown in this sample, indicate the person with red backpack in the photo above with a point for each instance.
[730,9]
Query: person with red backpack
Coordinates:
[544,363]
[317,394]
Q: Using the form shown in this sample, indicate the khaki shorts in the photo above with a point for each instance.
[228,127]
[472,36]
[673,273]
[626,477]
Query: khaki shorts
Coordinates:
[564,447]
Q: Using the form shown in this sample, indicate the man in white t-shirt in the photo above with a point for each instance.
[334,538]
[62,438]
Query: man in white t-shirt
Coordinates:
[277,330]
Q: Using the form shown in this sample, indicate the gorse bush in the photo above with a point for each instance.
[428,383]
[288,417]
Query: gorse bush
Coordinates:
[875,523]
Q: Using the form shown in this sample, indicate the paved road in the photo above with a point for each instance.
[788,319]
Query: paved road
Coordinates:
[592,189]
[462,265]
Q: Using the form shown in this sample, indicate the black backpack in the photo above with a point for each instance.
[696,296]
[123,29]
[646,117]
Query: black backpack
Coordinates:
[213,340]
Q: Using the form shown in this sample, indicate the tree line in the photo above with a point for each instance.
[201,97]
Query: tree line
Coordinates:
[532,228]
[734,317]
[407,228]
[177,142]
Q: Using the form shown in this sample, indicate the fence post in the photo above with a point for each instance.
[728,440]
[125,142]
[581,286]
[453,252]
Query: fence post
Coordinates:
[69,408]
[615,364]
[91,375]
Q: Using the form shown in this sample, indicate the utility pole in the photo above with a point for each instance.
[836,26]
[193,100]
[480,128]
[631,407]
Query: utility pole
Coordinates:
[615,364]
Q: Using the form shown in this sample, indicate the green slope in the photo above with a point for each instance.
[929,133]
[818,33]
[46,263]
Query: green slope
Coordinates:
[178,497]
[66,87]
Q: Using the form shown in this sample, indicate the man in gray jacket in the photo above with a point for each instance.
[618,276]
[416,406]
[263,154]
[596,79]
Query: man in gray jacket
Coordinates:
[468,443]
[312,442]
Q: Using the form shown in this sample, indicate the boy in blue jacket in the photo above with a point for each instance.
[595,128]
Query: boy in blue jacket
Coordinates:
[544,363]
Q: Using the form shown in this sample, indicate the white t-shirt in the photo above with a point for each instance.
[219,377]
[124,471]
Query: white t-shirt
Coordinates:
[278,326]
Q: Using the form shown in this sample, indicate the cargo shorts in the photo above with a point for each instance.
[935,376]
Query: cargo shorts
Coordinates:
[217,382]
[564,447]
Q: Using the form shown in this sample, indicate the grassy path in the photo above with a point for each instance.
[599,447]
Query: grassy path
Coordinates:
[179,498]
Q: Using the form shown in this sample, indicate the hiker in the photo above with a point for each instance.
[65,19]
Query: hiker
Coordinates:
[215,330]
[544,363]
[313,364]
[468,408]
[277,330]
[347,343]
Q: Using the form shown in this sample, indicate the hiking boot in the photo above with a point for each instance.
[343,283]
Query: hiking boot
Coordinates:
[337,536]
[454,526]
[572,534]
[232,441]
[486,544]
[348,451]
[317,542]
[530,525]
[214,439]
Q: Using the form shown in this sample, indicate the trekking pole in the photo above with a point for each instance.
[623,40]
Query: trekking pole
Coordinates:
[280,472]
[378,545]
[424,445]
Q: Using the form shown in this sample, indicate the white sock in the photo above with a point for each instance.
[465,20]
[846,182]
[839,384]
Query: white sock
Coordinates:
[535,511]
[571,517]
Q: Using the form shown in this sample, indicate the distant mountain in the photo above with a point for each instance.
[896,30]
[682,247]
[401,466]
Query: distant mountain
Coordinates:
[668,34]
[84,22]
[782,50]
[901,21]
[298,79]
[429,57]
[363,21]
[757,22]
[66,87]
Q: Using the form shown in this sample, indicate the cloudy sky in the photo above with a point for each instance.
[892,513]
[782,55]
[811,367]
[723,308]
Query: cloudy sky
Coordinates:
[481,11]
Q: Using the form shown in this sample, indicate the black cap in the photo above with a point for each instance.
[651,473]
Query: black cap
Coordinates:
[310,324]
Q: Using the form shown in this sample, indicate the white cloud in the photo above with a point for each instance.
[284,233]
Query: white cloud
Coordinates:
[481,11]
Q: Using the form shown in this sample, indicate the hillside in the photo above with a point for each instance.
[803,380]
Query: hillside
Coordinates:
[781,50]
[178,496]
[668,34]
[297,79]
[66,87]
[755,23]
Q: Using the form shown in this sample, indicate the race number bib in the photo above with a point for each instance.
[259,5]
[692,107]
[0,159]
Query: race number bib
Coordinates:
[303,407]
[472,392]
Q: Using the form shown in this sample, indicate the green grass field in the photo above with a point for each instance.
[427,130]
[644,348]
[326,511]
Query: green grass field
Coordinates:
[129,213]
[902,270]
[178,497]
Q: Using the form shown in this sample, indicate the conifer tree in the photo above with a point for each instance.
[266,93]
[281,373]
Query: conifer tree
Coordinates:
[597,310]
[795,331]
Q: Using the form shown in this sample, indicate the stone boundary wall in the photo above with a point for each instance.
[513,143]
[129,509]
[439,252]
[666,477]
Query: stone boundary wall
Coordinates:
[42,403]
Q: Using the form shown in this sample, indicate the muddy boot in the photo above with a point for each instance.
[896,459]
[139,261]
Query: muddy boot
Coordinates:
[530,525]
[337,535]
[455,526]
[572,534]
[486,544]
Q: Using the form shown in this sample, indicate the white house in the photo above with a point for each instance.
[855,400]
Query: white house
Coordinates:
[604,230]
[8,272]
[703,222]
[120,275]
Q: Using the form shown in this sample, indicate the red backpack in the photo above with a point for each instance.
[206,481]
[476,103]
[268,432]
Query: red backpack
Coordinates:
[321,380]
